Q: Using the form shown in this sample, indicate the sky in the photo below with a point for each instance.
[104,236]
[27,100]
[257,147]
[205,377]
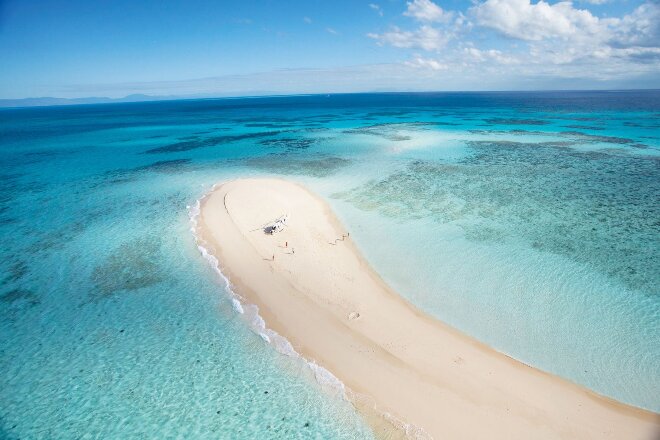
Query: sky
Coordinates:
[82,48]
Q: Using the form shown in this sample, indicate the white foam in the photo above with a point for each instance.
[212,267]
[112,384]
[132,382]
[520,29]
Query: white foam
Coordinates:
[327,379]
[236,304]
[412,432]
[281,344]
[193,213]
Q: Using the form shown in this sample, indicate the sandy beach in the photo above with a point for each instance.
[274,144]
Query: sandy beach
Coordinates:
[313,287]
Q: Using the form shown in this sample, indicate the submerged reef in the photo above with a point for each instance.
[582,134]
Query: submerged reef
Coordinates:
[319,166]
[586,206]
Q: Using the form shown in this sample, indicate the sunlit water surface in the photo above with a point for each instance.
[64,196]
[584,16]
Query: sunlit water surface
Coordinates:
[529,221]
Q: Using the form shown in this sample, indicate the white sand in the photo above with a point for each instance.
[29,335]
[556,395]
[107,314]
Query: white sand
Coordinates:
[336,311]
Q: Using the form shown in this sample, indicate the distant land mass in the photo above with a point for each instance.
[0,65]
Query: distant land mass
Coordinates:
[50,101]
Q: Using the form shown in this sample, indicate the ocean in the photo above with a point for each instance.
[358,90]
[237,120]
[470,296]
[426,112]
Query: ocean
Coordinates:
[530,221]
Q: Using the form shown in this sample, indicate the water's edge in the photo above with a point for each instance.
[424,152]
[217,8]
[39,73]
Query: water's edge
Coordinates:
[328,382]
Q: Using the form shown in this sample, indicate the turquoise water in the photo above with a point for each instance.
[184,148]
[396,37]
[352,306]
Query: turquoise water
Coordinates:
[529,221]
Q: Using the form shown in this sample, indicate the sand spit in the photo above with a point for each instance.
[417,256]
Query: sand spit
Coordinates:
[313,287]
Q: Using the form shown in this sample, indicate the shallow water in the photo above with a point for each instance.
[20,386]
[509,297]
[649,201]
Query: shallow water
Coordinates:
[529,221]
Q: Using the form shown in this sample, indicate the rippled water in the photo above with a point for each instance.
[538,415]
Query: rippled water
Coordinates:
[529,221]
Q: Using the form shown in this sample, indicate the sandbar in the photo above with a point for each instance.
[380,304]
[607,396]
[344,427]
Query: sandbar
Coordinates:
[313,287]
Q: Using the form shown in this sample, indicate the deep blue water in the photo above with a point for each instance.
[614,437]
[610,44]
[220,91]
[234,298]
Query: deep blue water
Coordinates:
[527,220]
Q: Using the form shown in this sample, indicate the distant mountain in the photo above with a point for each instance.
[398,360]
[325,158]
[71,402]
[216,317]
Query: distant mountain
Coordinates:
[47,101]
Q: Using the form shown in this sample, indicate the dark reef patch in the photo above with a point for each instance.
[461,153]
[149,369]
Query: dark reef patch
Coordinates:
[516,132]
[15,271]
[389,131]
[266,125]
[586,206]
[12,185]
[320,166]
[165,166]
[578,118]
[266,119]
[288,144]
[207,142]
[11,182]
[573,137]
[592,138]
[120,176]
[19,295]
[597,138]
[585,127]
[394,113]
[41,155]
[507,121]
[130,267]
[55,239]
[640,125]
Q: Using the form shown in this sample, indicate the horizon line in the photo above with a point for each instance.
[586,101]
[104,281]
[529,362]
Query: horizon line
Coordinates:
[103,100]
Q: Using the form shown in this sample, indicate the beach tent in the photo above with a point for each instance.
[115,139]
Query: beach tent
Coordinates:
[276,225]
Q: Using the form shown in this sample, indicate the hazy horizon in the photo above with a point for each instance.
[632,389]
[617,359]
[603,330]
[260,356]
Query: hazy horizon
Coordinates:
[50,101]
[76,50]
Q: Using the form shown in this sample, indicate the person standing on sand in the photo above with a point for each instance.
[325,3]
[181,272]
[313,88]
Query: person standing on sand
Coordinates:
[273,257]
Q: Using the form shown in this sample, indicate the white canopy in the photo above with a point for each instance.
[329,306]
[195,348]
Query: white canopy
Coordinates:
[276,225]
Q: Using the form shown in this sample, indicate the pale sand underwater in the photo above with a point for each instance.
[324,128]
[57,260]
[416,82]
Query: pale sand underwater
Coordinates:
[321,295]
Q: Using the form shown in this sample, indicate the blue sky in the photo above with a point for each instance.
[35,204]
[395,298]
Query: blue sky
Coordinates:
[115,48]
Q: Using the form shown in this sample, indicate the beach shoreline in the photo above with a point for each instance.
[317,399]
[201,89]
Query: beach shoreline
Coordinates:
[313,287]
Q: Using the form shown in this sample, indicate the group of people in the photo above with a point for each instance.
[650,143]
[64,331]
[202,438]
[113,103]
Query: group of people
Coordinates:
[286,245]
[293,251]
